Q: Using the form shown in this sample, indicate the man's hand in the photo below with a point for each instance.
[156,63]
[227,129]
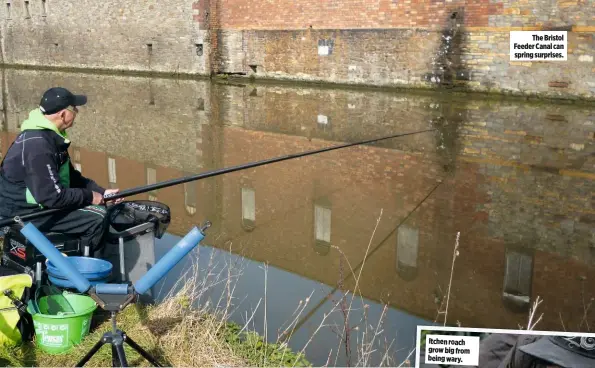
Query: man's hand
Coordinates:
[97,198]
[112,191]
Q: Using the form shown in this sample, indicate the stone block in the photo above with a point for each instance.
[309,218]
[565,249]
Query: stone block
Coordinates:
[558,84]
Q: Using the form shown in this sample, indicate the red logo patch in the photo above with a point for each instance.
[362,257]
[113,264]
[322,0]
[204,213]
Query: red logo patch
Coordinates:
[17,249]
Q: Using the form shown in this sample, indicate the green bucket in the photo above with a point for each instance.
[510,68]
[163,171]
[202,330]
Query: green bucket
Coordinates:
[57,333]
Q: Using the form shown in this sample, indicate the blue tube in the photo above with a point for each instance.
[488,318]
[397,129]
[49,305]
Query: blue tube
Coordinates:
[169,260]
[50,252]
[112,289]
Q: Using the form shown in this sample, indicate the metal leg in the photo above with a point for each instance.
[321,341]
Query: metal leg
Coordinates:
[92,352]
[38,274]
[115,359]
[119,346]
[140,350]
[117,338]
[122,268]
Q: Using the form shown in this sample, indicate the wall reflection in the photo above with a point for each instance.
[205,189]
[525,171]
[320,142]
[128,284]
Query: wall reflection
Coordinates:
[516,185]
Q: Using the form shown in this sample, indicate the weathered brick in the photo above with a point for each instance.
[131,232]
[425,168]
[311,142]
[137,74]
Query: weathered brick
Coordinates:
[515,132]
[279,39]
[558,84]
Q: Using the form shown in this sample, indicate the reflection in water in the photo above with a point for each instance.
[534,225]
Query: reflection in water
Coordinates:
[112,178]
[517,277]
[322,225]
[515,179]
[248,208]
[407,246]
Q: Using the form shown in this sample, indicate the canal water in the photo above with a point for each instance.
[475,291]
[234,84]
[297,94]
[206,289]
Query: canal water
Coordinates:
[485,213]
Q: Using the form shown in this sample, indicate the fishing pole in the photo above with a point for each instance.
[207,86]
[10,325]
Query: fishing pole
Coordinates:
[204,175]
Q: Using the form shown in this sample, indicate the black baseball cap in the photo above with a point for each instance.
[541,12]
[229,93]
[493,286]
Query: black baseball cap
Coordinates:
[58,98]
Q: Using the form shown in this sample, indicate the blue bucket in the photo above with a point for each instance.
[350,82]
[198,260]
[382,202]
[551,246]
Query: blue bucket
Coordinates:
[90,268]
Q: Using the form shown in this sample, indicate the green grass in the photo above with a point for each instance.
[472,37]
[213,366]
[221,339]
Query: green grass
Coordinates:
[251,347]
[27,354]
[229,348]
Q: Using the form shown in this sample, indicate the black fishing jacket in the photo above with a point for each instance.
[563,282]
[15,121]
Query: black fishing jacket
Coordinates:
[37,172]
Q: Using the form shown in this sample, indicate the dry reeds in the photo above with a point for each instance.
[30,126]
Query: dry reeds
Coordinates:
[189,333]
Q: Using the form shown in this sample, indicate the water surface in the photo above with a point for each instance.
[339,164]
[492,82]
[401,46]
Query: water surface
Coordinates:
[514,178]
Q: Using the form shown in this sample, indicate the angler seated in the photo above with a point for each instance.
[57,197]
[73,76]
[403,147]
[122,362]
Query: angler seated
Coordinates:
[37,174]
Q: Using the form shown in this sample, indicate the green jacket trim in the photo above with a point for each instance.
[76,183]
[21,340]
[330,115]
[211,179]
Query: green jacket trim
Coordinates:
[37,121]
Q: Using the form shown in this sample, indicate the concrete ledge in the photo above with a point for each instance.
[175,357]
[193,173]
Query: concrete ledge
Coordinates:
[476,92]
[108,71]
[416,88]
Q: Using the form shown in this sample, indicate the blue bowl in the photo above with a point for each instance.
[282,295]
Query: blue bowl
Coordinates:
[90,268]
[102,277]
[67,284]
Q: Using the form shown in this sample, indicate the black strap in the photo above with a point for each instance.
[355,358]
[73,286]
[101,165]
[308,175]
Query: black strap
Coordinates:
[18,303]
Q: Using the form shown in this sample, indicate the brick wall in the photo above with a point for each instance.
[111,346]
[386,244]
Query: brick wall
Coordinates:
[350,14]
[407,43]
[430,44]
[476,60]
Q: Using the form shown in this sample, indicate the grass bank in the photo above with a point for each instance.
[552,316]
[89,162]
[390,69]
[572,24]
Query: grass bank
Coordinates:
[174,331]
[174,334]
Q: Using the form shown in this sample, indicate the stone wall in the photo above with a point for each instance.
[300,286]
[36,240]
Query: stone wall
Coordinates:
[437,44]
[156,35]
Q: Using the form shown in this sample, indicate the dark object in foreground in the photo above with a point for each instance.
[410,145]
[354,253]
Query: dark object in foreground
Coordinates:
[116,338]
[115,297]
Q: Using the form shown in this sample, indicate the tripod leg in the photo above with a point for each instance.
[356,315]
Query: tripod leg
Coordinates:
[92,352]
[140,350]
[121,354]
[115,358]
